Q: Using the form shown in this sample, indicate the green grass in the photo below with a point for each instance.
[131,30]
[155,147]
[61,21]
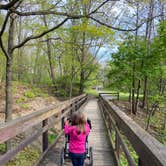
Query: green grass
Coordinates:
[123,96]
[52,137]
[27,157]
[95,93]
[91,92]
[2,148]
[30,94]
[21,99]
[24,105]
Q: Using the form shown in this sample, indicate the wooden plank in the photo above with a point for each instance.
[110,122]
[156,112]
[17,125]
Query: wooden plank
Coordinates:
[109,118]
[45,136]
[97,139]
[102,152]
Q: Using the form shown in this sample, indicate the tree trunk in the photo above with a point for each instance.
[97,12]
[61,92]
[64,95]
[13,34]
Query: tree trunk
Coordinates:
[50,61]
[8,115]
[145,92]
[147,38]
[49,54]
[81,89]
[19,59]
[133,90]
[60,66]
[82,75]
[137,97]
[129,98]
[8,90]
[161,86]
[36,77]
[8,86]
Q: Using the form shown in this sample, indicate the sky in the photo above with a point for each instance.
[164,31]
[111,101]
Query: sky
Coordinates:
[118,10]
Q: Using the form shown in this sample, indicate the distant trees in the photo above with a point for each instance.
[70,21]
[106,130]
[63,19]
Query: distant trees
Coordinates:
[22,22]
[151,66]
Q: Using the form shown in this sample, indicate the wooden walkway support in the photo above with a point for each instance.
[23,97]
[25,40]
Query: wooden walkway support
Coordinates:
[122,129]
[102,152]
[41,119]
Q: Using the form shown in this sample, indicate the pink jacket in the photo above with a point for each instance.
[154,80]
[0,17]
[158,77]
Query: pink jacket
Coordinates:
[77,141]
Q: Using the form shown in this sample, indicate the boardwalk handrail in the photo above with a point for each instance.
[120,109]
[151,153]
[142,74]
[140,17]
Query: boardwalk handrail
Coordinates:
[17,126]
[150,151]
[110,94]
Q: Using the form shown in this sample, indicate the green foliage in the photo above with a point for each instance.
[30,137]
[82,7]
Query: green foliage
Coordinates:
[26,157]
[29,94]
[123,160]
[91,92]
[2,148]
[52,137]
[24,105]
[63,86]
[21,99]
[93,31]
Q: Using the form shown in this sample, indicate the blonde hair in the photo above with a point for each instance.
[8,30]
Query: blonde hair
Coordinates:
[78,119]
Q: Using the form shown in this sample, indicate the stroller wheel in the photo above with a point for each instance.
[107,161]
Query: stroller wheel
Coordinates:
[62,155]
[91,156]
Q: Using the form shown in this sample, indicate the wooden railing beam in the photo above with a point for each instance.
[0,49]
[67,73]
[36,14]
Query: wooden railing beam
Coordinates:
[11,129]
[150,151]
[45,136]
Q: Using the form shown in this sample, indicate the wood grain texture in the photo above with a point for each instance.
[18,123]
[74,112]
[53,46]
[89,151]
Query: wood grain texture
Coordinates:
[102,152]
[150,151]
[11,129]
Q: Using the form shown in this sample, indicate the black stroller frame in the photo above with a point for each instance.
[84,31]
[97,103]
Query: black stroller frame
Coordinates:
[65,150]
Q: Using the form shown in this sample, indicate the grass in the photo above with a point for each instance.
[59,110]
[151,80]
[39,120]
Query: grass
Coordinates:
[95,93]
[52,137]
[2,148]
[27,157]
[91,92]
[24,105]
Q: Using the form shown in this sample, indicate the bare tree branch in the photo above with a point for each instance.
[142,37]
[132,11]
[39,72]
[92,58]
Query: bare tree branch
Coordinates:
[9,5]
[51,38]
[1,33]
[94,11]
[39,35]
[115,28]
[47,12]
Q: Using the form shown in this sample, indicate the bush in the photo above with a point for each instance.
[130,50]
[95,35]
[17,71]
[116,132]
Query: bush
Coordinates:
[52,137]
[30,94]
[2,148]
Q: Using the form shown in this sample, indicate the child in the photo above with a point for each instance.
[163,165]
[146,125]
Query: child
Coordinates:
[77,131]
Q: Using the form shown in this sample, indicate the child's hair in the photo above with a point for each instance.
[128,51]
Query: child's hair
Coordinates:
[78,119]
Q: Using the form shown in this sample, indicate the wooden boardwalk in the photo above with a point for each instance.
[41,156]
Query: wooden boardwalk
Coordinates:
[102,152]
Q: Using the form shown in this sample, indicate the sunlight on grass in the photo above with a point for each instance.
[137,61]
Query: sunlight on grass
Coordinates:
[91,92]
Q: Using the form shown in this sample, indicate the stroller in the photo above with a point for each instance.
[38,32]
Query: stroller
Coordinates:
[65,150]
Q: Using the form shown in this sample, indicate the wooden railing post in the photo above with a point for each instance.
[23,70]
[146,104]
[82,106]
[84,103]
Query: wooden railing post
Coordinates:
[118,96]
[140,163]
[45,136]
[76,105]
[117,144]
[74,109]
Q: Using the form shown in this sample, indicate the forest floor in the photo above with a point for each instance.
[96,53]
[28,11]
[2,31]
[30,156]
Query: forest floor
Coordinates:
[156,122]
[25,100]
